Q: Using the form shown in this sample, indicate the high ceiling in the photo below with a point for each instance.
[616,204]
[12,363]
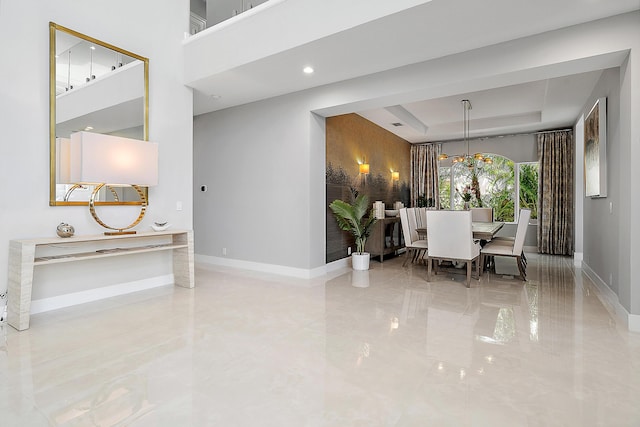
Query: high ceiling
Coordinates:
[420,32]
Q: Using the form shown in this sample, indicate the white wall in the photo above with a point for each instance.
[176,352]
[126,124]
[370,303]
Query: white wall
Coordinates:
[629,226]
[256,166]
[141,27]
[263,164]
[610,228]
[601,241]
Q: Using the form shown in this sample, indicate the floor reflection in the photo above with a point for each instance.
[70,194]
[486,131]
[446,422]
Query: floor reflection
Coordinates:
[117,402]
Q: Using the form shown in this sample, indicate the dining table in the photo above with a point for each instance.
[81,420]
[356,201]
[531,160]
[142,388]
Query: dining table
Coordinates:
[481,230]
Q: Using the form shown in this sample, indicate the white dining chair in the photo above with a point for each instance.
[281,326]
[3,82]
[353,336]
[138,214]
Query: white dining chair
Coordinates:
[510,240]
[482,214]
[506,249]
[415,247]
[451,238]
[412,218]
[421,217]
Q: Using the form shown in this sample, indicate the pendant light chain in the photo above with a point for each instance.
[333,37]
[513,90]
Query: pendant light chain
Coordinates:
[465,122]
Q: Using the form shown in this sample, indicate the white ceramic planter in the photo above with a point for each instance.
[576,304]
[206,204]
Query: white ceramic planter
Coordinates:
[360,261]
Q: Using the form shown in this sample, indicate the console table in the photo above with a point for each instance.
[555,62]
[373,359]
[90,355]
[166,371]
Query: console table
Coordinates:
[25,255]
[385,238]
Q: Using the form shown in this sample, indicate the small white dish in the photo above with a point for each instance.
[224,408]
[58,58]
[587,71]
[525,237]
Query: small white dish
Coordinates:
[162,227]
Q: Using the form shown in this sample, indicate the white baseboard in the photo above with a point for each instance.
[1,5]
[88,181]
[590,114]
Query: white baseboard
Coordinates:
[338,264]
[282,270]
[611,301]
[67,300]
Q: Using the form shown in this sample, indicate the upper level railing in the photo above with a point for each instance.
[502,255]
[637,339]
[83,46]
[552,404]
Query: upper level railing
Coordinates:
[205,14]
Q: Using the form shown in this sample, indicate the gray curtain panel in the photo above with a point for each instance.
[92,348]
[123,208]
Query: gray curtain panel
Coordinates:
[555,194]
[424,172]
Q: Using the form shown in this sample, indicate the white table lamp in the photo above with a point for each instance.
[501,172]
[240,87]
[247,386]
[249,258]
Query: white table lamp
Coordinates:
[100,160]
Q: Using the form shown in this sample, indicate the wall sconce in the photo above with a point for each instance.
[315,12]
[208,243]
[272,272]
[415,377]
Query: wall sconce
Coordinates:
[100,160]
[364,168]
[395,176]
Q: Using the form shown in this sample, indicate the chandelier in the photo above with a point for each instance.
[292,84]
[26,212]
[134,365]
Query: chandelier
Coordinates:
[468,159]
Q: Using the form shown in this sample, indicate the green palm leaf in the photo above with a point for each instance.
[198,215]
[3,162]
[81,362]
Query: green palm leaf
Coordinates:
[350,217]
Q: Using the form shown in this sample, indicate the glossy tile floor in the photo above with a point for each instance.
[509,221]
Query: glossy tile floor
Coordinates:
[378,348]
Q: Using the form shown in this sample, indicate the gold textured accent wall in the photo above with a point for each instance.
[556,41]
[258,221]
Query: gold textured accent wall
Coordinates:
[350,138]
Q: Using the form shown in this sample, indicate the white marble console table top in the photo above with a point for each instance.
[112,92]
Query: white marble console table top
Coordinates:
[23,258]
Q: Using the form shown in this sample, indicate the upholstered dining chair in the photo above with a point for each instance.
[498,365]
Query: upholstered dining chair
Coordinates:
[412,218]
[414,247]
[451,238]
[421,217]
[510,240]
[482,214]
[507,249]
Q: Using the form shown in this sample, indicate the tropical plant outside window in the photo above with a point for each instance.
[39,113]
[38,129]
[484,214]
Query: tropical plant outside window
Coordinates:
[497,184]
[444,186]
[528,187]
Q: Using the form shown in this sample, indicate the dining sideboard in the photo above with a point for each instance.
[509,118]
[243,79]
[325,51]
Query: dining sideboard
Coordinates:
[386,238]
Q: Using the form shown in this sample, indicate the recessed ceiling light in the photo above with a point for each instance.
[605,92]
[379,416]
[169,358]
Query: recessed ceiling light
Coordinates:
[308,70]
[89,128]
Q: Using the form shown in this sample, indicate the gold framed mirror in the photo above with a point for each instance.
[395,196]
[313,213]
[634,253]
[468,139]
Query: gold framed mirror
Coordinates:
[94,86]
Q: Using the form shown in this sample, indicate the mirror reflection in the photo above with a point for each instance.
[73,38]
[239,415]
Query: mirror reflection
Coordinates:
[95,87]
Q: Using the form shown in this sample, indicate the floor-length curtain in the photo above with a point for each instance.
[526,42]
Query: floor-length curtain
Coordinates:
[424,173]
[555,194]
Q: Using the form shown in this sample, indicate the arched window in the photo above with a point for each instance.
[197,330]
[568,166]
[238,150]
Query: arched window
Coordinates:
[496,182]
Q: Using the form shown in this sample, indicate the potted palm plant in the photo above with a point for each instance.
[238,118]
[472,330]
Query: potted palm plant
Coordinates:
[351,218]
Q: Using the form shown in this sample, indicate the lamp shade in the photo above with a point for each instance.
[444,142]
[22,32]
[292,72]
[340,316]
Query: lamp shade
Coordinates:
[364,168]
[114,160]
